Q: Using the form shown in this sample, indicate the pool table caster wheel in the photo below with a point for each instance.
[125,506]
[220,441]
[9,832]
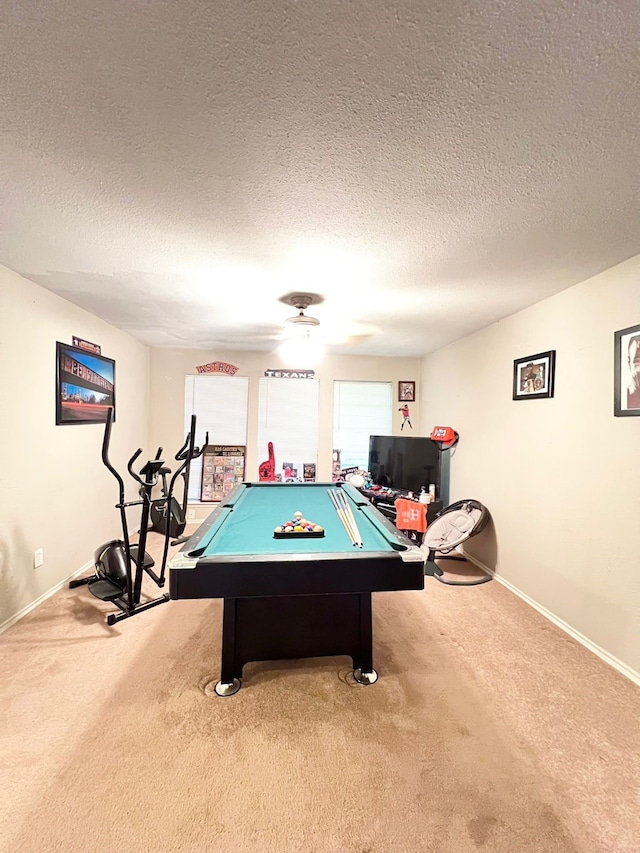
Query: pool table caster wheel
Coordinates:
[365,677]
[228,688]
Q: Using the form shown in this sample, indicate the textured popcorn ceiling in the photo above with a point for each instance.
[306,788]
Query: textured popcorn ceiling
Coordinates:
[428,166]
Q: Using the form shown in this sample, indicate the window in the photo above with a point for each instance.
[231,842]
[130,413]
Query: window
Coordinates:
[360,409]
[220,406]
[288,414]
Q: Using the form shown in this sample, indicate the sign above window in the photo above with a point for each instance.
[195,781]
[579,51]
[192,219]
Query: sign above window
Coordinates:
[218,367]
[290,374]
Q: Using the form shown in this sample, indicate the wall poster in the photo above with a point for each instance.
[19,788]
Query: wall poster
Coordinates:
[223,467]
[85,386]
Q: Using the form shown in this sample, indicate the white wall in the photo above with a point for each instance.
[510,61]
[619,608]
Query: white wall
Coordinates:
[169,368]
[560,476]
[54,491]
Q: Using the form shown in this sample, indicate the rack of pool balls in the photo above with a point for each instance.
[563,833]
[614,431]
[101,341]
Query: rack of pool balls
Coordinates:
[298,527]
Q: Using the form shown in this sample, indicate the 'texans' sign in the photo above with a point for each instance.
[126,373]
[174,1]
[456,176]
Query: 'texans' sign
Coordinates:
[290,374]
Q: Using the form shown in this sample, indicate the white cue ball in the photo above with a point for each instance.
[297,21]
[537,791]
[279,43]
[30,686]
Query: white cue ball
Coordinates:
[357,480]
[297,514]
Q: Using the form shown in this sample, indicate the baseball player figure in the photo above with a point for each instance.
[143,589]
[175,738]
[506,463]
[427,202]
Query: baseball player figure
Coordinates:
[405,416]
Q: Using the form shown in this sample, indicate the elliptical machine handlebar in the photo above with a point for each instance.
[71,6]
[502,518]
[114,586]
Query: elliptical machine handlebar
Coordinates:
[198,451]
[192,452]
[179,511]
[182,453]
[105,452]
[150,469]
[187,452]
[130,464]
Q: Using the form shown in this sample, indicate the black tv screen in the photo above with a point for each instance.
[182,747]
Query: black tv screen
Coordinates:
[408,463]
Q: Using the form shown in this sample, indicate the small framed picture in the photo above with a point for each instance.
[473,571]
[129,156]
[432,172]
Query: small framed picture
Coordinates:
[534,376]
[406,392]
[626,369]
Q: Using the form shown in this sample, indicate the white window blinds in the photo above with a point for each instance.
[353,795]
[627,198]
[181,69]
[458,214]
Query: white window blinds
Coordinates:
[288,414]
[360,409]
[220,405]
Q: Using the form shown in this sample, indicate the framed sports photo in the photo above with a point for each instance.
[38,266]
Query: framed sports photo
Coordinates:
[534,376]
[406,392]
[626,367]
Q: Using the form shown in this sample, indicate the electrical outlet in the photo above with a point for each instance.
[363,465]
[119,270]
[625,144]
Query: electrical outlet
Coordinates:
[191,513]
[38,558]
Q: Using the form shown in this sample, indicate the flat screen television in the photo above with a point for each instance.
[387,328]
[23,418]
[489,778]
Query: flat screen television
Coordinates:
[408,463]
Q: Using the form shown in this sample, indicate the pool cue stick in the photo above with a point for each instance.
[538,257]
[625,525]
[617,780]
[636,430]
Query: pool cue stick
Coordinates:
[346,506]
[354,525]
[343,507]
[342,517]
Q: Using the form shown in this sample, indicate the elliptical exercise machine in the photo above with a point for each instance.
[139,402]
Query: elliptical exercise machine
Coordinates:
[166,510]
[119,565]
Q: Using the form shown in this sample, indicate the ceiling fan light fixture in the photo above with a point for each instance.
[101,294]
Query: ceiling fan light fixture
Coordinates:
[302,301]
[301,351]
[303,319]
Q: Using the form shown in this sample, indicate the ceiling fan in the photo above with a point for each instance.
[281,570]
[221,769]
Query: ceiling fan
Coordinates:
[332,329]
[302,301]
[335,330]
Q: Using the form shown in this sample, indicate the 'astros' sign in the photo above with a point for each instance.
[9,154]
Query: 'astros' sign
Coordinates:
[218,367]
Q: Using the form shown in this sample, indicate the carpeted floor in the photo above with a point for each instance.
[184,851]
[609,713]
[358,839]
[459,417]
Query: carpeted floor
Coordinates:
[488,730]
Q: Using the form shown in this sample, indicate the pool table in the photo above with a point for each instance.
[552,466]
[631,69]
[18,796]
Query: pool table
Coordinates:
[293,597]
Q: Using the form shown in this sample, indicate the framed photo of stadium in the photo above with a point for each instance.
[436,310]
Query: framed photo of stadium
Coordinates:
[85,386]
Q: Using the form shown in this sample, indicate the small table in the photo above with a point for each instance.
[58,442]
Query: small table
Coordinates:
[296,597]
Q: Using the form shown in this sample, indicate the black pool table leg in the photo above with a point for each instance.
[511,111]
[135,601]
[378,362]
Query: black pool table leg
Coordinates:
[230,680]
[363,672]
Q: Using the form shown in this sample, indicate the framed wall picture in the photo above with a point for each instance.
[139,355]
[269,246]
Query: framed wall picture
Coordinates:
[223,467]
[534,376]
[406,392]
[85,386]
[626,366]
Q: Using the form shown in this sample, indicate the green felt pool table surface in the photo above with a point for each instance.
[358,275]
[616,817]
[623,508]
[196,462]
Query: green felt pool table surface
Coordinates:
[245,522]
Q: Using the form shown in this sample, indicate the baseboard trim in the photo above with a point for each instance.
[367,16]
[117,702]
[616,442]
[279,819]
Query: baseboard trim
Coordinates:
[88,567]
[45,595]
[621,667]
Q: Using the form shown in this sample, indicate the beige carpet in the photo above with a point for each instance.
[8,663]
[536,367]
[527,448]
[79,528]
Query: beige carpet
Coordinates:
[488,730]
